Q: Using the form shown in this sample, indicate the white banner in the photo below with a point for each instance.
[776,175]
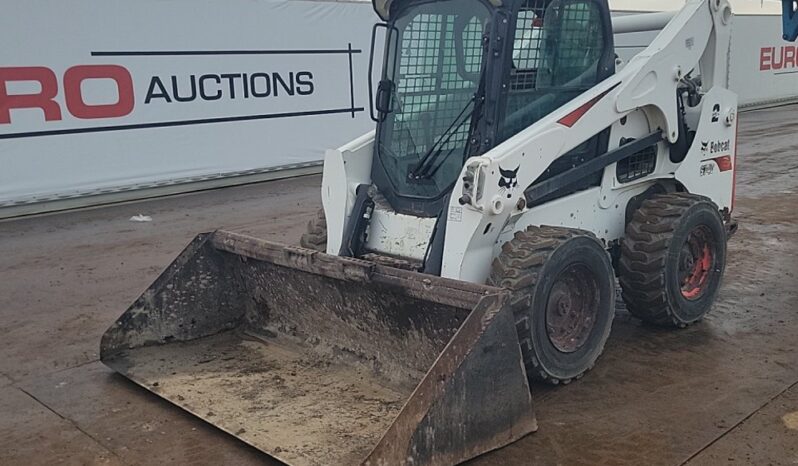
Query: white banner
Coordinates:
[764,67]
[102,96]
[98,95]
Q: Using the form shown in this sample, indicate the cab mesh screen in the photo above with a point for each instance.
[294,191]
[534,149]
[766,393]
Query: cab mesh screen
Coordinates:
[433,86]
[556,53]
[527,44]
[637,166]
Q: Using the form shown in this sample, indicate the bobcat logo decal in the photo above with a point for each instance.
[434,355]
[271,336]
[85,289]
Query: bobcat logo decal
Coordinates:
[508,180]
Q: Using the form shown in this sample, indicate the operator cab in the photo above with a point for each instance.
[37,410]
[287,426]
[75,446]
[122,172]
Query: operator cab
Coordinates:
[461,76]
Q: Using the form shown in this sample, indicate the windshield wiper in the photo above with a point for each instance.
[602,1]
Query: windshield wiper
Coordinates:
[424,167]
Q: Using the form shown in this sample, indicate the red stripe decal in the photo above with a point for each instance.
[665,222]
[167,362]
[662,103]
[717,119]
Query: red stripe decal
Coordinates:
[571,119]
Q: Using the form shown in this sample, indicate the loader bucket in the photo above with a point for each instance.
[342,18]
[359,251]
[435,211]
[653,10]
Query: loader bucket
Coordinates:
[323,360]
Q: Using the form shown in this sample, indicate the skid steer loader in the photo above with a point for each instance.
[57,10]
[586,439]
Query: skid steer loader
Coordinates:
[468,245]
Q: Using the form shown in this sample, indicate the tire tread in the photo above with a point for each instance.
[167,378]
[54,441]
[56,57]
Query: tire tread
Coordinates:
[644,254]
[518,268]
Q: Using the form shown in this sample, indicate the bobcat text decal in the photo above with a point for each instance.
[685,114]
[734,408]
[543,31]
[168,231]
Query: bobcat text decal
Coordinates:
[715,147]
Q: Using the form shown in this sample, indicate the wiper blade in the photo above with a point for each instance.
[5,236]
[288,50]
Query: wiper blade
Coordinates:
[424,168]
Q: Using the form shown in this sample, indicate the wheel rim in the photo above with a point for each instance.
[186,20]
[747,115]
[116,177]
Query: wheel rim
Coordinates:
[696,262]
[572,308]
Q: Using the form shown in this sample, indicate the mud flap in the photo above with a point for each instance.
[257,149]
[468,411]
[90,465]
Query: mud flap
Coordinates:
[323,360]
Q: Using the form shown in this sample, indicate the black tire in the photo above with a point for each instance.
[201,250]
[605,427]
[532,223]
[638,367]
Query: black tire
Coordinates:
[572,268]
[672,259]
[315,237]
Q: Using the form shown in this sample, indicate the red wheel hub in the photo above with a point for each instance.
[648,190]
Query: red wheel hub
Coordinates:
[696,262]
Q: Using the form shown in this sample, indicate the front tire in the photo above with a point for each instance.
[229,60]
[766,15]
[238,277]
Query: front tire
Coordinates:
[672,259]
[563,299]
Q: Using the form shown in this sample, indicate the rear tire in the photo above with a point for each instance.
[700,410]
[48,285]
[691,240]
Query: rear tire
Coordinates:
[563,299]
[315,237]
[672,259]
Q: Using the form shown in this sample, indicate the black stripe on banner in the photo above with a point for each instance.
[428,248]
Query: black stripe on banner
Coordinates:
[175,53]
[167,124]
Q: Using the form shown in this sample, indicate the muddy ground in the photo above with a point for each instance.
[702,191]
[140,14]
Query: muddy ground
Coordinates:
[721,392]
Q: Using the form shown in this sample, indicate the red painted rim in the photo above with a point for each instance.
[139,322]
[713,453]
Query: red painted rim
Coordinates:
[696,262]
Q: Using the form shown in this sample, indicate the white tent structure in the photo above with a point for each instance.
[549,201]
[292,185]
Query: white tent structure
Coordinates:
[136,99]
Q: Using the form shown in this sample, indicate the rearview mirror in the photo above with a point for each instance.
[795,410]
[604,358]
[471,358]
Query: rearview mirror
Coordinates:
[384,103]
[385,87]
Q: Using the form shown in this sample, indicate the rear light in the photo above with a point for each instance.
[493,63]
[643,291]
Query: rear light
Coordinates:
[724,163]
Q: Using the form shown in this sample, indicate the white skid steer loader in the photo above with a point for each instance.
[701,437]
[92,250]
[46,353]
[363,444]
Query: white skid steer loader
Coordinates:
[469,244]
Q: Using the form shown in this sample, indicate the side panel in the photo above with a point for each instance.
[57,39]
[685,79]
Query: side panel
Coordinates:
[709,166]
[582,210]
[344,169]
[399,235]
